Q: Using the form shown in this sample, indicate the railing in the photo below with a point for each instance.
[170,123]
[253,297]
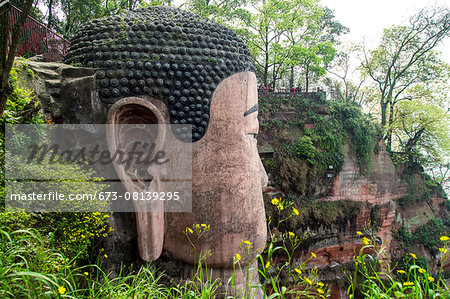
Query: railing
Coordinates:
[36,38]
[316,95]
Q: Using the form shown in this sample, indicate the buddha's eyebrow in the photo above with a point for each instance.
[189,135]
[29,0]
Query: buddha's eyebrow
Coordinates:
[251,110]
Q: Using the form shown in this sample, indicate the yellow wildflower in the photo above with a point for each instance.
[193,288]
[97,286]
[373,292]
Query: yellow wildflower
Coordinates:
[204,225]
[275,201]
[422,270]
[268,264]
[359,233]
[443,250]
[320,291]
[408,283]
[444,238]
[190,230]
[105,255]
[313,255]
[298,271]
[295,211]
[413,255]
[248,242]
[86,273]
[366,241]
[291,234]
[281,207]
[401,272]
[238,256]
[430,278]
[62,290]
[320,284]
[308,280]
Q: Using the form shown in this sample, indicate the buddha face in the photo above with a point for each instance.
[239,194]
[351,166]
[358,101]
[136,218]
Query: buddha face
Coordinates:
[227,179]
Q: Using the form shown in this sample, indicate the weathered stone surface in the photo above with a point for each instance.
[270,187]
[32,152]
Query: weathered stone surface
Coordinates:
[226,179]
[66,92]
[380,186]
[378,191]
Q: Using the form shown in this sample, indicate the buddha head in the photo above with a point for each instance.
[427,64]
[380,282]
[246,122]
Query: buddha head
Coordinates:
[163,66]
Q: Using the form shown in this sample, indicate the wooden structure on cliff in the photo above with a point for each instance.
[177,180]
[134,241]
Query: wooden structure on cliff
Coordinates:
[36,38]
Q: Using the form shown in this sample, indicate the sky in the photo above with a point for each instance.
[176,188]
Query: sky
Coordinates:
[367,18]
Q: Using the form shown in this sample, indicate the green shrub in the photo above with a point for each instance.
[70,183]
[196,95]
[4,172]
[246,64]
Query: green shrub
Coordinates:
[305,149]
[429,233]
[364,133]
[417,190]
[406,236]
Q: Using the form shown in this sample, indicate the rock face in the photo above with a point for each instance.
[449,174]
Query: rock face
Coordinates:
[379,187]
[375,194]
[377,190]
[67,93]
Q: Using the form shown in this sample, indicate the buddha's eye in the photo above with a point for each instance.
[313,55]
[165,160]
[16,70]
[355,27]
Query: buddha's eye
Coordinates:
[251,110]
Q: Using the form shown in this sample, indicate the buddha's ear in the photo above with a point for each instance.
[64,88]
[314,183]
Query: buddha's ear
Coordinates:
[135,125]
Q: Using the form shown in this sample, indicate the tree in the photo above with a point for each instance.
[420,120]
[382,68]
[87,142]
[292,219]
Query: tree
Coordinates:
[264,31]
[314,59]
[313,43]
[7,55]
[421,129]
[405,57]
[34,11]
[222,11]
[77,12]
[346,88]
[280,34]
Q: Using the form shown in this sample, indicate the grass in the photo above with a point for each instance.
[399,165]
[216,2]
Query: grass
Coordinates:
[29,268]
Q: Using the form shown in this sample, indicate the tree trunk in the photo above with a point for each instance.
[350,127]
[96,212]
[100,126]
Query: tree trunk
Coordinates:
[266,69]
[307,79]
[266,65]
[389,129]
[412,141]
[274,78]
[383,106]
[50,14]
[291,79]
[7,59]
[4,20]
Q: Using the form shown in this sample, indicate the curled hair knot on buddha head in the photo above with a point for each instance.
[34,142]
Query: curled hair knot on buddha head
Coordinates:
[165,53]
